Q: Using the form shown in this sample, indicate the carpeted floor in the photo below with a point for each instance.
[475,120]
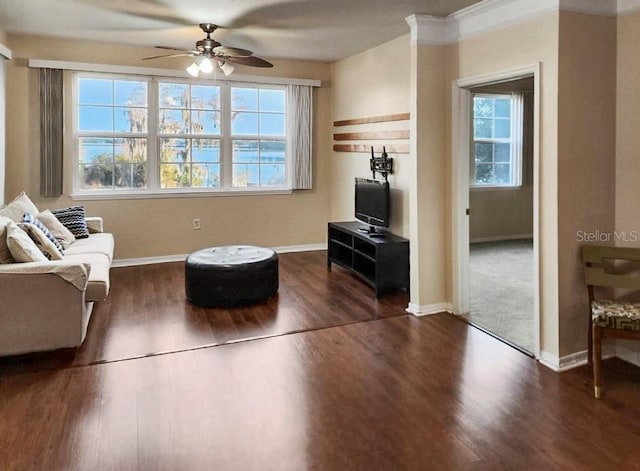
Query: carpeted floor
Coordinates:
[501,290]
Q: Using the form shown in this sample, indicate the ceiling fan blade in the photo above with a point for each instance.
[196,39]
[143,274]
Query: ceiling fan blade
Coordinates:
[232,51]
[170,48]
[252,61]
[182,54]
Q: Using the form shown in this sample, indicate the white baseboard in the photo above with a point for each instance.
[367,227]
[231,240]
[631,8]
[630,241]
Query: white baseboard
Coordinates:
[132,262]
[428,309]
[501,238]
[567,362]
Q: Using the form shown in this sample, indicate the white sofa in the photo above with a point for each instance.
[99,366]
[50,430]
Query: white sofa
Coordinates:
[47,305]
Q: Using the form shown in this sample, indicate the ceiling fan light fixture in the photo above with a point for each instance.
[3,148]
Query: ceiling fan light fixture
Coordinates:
[226,68]
[193,70]
[206,67]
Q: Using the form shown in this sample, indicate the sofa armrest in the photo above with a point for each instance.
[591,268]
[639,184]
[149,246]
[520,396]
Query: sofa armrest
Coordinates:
[95,224]
[73,272]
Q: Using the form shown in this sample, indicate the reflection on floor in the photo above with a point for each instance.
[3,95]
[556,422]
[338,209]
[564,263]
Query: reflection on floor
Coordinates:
[501,290]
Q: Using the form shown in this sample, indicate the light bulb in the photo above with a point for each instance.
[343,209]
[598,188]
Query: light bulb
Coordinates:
[226,68]
[206,66]
[193,70]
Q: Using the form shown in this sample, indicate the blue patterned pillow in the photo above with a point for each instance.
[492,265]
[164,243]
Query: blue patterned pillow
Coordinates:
[31,219]
[73,219]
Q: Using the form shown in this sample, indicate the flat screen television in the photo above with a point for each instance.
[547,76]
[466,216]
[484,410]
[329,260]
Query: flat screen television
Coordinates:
[372,203]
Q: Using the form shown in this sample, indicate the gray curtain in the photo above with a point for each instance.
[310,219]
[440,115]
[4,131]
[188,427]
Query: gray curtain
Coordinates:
[51,127]
[299,123]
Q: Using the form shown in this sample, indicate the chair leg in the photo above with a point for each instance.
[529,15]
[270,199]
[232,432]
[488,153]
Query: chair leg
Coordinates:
[597,361]
[590,343]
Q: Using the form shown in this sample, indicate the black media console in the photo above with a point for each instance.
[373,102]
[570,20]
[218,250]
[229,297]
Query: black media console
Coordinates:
[382,262]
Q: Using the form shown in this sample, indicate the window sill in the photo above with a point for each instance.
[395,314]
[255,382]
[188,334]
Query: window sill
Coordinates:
[496,188]
[95,196]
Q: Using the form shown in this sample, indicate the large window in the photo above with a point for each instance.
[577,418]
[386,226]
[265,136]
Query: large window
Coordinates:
[497,143]
[155,136]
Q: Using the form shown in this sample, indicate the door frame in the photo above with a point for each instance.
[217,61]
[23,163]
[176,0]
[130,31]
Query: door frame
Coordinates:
[461,136]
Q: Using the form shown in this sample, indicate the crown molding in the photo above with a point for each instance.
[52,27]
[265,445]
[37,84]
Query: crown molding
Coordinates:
[489,15]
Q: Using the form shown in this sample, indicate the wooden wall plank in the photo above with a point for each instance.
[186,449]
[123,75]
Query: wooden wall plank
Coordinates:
[374,119]
[359,136]
[391,149]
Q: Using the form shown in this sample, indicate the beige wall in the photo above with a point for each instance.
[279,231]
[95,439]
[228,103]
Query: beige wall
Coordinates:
[364,85]
[586,157]
[524,45]
[627,189]
[159,227]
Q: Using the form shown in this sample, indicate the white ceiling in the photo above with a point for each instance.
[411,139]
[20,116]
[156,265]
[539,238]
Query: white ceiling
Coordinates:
[322,30]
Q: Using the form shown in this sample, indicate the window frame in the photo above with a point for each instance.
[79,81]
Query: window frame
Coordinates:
[515,154]
[153,135]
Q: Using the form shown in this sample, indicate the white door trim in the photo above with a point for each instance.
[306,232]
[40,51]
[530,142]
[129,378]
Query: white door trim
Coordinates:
[461,128]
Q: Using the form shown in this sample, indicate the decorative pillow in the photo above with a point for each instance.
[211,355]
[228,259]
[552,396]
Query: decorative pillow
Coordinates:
[22,248]
[31,219]
[41,240]
[5,254]
[20,205]
[61,233]
[73,219]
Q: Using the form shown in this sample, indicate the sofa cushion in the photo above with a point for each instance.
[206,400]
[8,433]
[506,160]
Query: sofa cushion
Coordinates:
[41,240]
[101,243]
[16,208]
[5,253]
[31,219]
[73,219]
[61,233]
[22,248]
[98,283]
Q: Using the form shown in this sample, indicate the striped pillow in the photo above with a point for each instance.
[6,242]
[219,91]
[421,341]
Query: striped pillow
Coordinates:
[31,219]
[73,219]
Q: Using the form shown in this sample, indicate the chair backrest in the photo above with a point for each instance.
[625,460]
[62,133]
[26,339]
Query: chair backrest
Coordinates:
[603,267]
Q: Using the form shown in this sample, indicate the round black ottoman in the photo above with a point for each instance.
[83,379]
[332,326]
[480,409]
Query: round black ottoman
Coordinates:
[231,275]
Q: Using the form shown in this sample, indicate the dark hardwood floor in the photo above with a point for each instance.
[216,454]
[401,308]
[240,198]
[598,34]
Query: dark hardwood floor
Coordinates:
[382,391]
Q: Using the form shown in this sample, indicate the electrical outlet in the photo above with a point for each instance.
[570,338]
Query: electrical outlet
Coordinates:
[196,224]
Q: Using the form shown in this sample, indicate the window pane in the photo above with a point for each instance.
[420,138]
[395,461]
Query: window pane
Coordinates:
[95,150]
[95,118]
[130,150]
[482,107]
[272,175]
[484,174]
[502,174]
[96,176]
[130,119]
[244,99]
[175,176]
[245,124]
[173,121]
[273,151]
[174,95]
[128,92]
[503,128]
[502,107]
[205,122]
[482,128]
[206,176]
[272,100]
[205,150]
[205,97]
[246,174]
[95,91]
[484,152]
[503,152]
[245,151]
[174,150]
[130,176]
[271,124]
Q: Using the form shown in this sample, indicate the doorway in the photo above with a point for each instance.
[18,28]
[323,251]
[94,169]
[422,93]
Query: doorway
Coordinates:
[495,189]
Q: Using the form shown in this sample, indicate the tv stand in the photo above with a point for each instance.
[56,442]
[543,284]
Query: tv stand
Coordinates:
[380,259]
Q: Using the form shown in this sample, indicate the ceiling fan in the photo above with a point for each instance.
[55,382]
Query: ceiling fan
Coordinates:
[208,51]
